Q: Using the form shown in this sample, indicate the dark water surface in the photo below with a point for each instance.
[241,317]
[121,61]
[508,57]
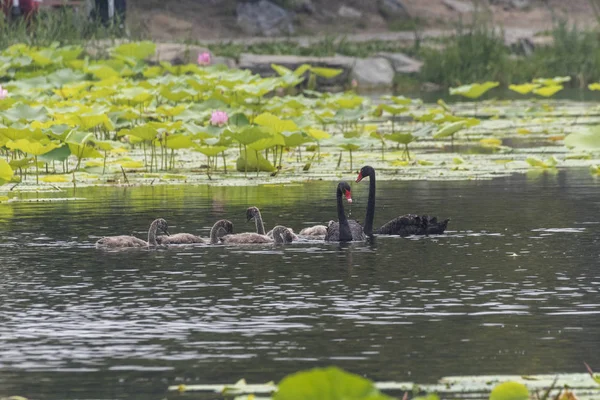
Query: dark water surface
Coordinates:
[513,287]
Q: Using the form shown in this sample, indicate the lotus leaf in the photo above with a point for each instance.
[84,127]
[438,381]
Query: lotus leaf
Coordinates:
[281,70]
[102,71]
[84,151]
[326,72]
[274,123]
[59,154]
[276,140]
[65,76]
[548,91]
[295,139]
[552,81]
[327,384]
[56,178]
[253,161]
[524,88]
[171,111]
[402,138]
[6,172]
[474,90]
[588,139]
[594,86]
[318,134]
[143,132]
[35,148]
[24,112]
[510,391]
[449,129]
[210,151]
[248,135]
[138,50]
[179,141]
[394,110]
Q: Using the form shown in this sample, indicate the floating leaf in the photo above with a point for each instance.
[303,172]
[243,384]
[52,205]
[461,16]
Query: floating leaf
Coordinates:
[524,88]
[474,90]
[588,139]
[510,391]
[548,91]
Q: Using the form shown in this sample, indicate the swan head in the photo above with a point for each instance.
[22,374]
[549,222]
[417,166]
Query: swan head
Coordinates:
[252,213]
[344,188]
[162,225]
[365,171]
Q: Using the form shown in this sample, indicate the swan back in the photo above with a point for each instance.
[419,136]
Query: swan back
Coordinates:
[281,234]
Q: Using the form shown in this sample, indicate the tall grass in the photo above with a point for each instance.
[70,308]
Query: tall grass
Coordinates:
[64,26]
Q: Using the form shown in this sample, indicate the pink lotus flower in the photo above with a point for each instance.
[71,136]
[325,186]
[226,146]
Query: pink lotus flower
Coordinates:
[3,93]
[354,83]
[219,118]
[204,58]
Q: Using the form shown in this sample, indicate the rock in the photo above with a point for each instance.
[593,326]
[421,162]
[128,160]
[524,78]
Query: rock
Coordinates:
[303,6]
[178,54]
[349,12]
[402,63]
[392,9]
[375,72]
[261,64]
[459,6]
[264,18]
[508,4]
[219,60]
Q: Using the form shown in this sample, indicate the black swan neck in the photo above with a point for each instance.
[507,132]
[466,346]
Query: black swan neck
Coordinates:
[260,226]
[368,229]
[345,233]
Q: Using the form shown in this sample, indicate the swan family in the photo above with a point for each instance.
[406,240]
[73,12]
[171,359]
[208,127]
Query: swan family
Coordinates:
[342,230]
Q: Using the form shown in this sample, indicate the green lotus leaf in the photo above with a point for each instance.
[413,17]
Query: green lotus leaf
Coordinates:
[132,96]
[24,112]
[394,110]
[59,154]
[179,141]
[267,143]
[295,139]
[79,137]
[210,151]
[64,76]
[16,133]
[102,71]
[143,132]
[588,139]
[449,129]
[350,146]
[401,100]
[275,123]
[6,172]
[318,134]
[524,88]
[510,391]
[152,72]
[402,138]
[84,151]
[557,80]
[171,111]
[249,134]
[34,148]
[36,83]
[68,53]
[326,72]
[327,384]
[475,90]
[91,120]
[253,161]
[239,120]
[281,70]
[137,50]
[22,163]
[178,94]
[302,69]
[548,91]
[42,58]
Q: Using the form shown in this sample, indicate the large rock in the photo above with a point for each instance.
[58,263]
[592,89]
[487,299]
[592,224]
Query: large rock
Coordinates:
[375,72]
[178,54]
[261,64]
[348,12]
[508,4]
[402,63]
[462,7]
[392,9]
[264,18]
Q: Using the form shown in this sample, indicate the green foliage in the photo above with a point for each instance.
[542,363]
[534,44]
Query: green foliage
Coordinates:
[327,384]
[510,391]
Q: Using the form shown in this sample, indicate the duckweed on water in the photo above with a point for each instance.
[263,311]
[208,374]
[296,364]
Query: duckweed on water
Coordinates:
[69,119]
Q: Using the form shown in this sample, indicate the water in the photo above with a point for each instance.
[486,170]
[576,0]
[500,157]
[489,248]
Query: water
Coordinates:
[513,287]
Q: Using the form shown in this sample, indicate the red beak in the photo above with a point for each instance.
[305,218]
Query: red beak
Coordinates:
[359,177]
[348,195]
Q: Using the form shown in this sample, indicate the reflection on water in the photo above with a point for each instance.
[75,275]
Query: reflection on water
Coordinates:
[511,288]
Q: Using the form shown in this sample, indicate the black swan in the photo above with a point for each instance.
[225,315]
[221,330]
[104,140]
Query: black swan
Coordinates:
[253,213]
[314,231]
[220,228]
[282,235]
[132,241]
[344,230]
[404,225]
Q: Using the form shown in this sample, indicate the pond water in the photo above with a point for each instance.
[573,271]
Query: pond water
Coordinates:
[513,287]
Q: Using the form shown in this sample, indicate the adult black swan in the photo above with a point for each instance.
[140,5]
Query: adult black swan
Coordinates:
[404,225]
[344,230]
